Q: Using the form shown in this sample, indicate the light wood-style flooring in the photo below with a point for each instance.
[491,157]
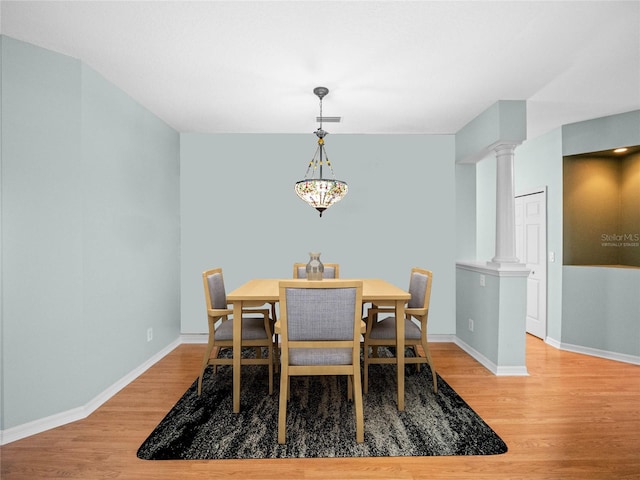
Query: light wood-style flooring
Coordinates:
[573,417]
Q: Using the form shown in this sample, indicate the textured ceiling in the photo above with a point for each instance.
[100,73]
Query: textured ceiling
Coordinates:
[390,66]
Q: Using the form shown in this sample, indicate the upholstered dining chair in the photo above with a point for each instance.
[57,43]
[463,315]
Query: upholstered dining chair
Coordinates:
[320,326]
[331,270]
[257,329]
[382,333]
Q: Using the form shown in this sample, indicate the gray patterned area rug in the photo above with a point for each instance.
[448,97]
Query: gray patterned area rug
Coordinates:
[320,420]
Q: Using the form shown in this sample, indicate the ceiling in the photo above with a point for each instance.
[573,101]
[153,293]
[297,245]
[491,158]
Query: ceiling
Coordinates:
[390,66]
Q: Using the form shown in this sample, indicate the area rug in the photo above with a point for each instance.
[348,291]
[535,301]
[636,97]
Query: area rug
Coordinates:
[320,420]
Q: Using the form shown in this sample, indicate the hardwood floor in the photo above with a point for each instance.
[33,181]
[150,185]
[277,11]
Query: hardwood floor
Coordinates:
[574,417]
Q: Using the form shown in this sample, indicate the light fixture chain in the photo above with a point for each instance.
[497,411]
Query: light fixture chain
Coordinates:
[326,160]
[313,163]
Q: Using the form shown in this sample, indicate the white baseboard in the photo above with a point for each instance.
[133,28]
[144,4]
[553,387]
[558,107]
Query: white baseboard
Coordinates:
[553,342]
[498,370]
[512,371]
[595,352]
[43,424]
[194,338]
[441,338]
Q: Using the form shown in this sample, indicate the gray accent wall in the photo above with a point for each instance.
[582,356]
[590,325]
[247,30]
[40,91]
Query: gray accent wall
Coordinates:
[239,211]
[90,234]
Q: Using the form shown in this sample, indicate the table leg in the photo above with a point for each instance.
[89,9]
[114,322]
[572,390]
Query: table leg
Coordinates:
[237,353]
[400,351]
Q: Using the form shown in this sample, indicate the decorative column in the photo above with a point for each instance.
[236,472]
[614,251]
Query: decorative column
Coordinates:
[505,207]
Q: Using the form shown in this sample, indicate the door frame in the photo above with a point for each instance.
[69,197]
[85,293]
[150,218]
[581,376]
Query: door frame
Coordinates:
[533,191]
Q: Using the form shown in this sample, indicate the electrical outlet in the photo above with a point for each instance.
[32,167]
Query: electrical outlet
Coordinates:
[482,280]
[471,325]
[552,256]
[149,334]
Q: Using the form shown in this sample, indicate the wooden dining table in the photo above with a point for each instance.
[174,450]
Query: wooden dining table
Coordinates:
[266,290]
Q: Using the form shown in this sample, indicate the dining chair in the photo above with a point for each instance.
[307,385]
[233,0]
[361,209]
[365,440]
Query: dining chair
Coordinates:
[382,333]
[320,326]
[331,270]
[257,329]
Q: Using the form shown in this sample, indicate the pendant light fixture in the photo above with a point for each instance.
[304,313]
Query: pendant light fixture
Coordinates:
[317,191]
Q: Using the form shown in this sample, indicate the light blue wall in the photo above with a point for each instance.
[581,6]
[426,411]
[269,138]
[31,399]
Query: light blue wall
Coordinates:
[90,234]
[239,212]
[466,216]
[486,207]
[480,304]
[503,122]
[497,309]
[602,309]
[2,359]
[41,228]
[131,230]
[512,320]
[93,191]
[539,163]
[619,288]
[603,133]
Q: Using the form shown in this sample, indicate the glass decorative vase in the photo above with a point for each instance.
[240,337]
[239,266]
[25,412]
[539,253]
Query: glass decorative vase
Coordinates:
[314,268]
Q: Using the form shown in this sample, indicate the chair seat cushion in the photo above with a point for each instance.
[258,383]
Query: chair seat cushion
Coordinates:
[320,356]
[386,329]
[252,329]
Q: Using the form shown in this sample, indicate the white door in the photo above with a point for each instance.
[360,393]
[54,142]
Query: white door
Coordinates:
[531,249]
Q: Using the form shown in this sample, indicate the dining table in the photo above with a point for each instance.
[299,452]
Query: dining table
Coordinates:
[266,290]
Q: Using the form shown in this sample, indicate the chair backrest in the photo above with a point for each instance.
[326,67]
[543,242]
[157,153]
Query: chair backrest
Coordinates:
[317,315]
[420,288]
[331,270]
[214,291]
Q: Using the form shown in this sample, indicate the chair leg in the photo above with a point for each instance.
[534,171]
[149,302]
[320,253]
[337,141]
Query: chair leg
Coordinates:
[349,387]
[365,366]
[282,407]
[200,382]
[435,378]
[276,353]
[427,354]
[270,356]
[357,402]
[415,352]
[274,319]
[205,362]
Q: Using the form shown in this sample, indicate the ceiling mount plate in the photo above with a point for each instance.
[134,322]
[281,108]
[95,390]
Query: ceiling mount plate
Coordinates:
[320,92]
[329,119]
